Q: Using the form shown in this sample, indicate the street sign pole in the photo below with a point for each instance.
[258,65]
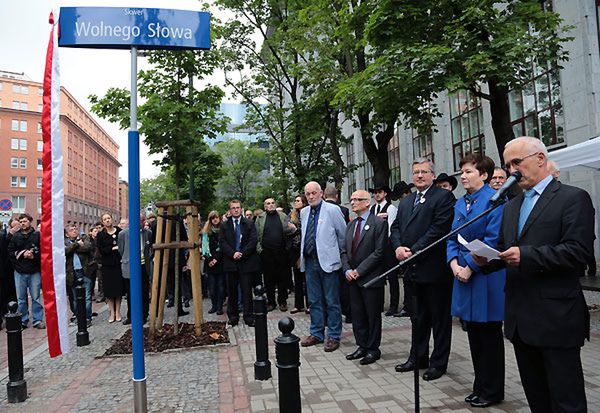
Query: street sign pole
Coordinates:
[135,282]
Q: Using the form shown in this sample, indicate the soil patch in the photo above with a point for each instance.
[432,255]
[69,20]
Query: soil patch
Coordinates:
[213,332]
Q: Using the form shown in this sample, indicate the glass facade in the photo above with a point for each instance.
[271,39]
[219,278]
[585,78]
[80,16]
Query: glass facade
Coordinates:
[466,116]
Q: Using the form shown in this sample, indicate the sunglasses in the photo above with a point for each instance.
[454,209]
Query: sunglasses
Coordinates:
[517,161]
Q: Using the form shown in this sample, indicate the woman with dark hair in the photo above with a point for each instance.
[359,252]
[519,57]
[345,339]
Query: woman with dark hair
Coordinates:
[106,241]
[213,262]
[300,202]
[478,298]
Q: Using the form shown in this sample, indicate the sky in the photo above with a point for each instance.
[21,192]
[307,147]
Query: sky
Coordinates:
[24,35]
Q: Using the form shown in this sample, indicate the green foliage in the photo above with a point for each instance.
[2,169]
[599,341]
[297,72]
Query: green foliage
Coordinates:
[245,167]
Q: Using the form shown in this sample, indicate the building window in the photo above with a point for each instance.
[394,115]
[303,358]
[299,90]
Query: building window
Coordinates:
[39,204]
[18,203]
[14,181]
[39,128]
[14,144]
[537,110]
[23,144]
[40,107]
[22,182]
[394,159]
[422,145]
[39,164]
[39,182]
[40,91]
[40,146]
[16,88]
[24,90]
[14,162]
[14,125]
[466,116]
[15,104]
[23,126]
[23,163]
[350,162]
[24,106]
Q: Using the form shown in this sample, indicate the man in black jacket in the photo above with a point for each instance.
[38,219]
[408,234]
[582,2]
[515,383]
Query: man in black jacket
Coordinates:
[24,253]
[423,217]
[238,239]
[546,240]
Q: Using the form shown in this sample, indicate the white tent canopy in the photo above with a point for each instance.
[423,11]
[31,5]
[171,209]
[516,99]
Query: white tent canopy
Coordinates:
[584,156]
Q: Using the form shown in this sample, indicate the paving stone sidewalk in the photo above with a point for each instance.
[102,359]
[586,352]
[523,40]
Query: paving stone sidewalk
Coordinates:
[221,379]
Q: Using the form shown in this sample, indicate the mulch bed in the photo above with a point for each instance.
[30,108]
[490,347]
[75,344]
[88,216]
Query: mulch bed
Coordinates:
[213,332]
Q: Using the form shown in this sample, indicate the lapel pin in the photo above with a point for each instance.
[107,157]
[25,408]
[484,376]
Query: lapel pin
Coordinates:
[367,227]
[422,200]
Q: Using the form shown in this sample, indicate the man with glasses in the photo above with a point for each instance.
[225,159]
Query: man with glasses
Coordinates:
[365,259]
[237,239]
[546,239]
[321,250]
[423,217]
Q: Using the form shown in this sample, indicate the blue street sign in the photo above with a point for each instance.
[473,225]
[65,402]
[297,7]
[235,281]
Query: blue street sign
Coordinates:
[5,205]
[123,27]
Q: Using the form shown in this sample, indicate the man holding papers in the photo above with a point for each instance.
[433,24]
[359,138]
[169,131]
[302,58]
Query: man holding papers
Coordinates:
[477,298]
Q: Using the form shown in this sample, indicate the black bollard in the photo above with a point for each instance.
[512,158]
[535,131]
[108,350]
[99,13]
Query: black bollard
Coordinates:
[262,366]
[83,337]
[287,353]
[16,388]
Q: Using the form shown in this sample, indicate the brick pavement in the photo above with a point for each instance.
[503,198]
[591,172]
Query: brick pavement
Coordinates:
[221,379]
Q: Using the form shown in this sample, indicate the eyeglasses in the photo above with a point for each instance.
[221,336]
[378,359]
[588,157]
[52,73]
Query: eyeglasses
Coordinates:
[420,172]
[517,161]
[358,199]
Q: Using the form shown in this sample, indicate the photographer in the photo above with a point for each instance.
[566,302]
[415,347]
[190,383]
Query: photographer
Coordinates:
[78,255]
[24,253]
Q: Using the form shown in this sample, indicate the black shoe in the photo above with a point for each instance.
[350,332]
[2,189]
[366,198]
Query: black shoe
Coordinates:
[433,373]
[170,303]
[348,320]
[249,323]
[186,303]
[409,365]
[94,314]
[370,358]
[470,397]
[391,312]
[233,323]
[24,326]
[402,313]
[126,322]
[481,402]
[212,310]
[219,312]
[182,313]
[356,354]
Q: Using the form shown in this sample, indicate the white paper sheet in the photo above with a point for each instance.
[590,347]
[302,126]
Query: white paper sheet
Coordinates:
[479,248]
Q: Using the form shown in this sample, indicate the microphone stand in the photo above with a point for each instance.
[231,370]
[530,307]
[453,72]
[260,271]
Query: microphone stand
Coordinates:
[415,318]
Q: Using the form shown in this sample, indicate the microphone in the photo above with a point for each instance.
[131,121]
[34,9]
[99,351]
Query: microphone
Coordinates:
[512,179]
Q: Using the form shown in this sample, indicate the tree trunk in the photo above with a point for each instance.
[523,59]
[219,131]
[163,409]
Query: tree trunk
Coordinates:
[377,154]
[500,112]
[332,132]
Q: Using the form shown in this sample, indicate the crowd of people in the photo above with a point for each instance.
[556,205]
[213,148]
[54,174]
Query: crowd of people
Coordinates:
[335,268]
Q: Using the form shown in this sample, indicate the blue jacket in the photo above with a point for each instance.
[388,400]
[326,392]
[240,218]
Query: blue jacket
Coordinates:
[481,299]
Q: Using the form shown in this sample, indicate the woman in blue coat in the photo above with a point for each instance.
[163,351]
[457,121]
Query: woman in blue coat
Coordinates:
[478,298]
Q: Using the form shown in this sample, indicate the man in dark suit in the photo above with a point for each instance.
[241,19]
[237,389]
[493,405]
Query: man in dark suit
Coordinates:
[546,239]
[238,239]
[423,217]
[366,246]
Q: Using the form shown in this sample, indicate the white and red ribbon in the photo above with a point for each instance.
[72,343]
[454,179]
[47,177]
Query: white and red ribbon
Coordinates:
[52,244]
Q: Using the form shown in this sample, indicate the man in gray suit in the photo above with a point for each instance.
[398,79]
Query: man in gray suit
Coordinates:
[146,270]
[322,247]
[366,246]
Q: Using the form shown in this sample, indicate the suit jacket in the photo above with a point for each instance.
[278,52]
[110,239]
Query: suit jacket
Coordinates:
[416,228]
[330,235]
[123,244]
[544,300]
[83,252]
[260,228]
[345,211]
[370,257]
[250,263]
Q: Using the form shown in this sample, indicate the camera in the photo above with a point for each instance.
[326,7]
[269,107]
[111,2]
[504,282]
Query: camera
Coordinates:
[34,249]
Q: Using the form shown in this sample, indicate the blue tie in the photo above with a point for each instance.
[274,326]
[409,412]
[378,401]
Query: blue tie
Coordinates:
[236,223]
[526,207]
[310,242]
[417,199]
